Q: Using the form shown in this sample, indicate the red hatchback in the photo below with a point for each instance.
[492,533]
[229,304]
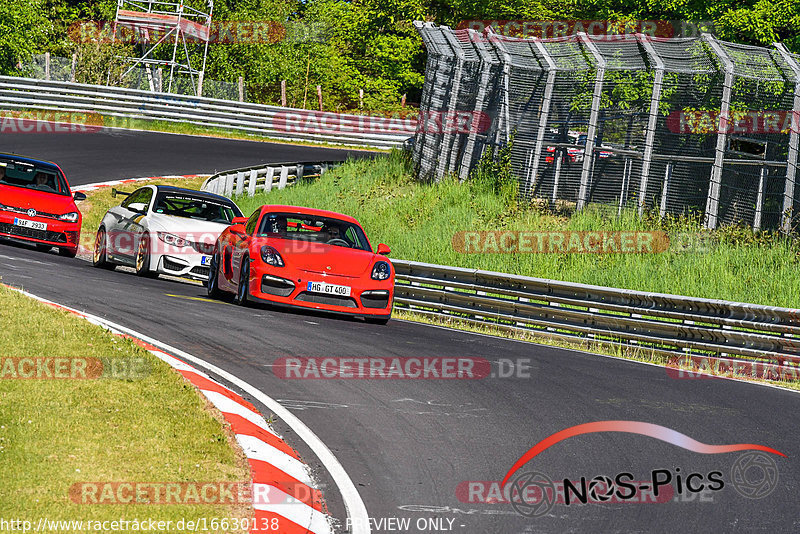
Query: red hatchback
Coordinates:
[37,206]
[304,258]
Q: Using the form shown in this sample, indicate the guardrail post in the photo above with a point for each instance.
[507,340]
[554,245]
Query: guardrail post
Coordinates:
[251,185]
[794,141]
[284,176]
[760,199]
[544,116]
[200,78]
[74,68]
[269,178]
[588,151]
[241,89]
[715,185]
[299,173]
[239,183]
[447,160]
[229,184]
[652,119]
[47,65]
[665,190]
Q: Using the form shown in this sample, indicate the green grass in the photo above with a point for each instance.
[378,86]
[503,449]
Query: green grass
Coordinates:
[54,433]
[418,222]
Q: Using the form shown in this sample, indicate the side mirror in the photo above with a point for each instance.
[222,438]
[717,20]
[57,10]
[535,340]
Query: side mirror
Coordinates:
[384,250]
[237,229]
[79,196]
[138,207]
[239,220]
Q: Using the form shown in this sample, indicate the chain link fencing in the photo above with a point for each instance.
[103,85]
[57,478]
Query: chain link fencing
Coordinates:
[679,126]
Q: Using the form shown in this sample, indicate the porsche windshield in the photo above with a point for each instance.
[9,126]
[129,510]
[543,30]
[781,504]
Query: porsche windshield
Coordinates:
[32,176]
[326,230]
[198,208]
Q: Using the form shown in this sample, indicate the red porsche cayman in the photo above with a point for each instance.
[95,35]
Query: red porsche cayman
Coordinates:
[37,206]
[305,258]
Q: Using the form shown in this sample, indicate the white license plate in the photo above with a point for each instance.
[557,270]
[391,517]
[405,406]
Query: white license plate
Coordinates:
[25,223]
[205,260]
[328,289]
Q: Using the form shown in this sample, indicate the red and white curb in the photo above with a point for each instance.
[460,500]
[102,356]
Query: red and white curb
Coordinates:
[286,498]
[100,185]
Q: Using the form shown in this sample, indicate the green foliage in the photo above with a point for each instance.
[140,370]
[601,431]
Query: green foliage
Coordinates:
[23,32]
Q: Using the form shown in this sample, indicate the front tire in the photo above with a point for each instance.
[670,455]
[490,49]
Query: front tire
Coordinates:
[100,258]
[212,286]
[143,258]
[243,291]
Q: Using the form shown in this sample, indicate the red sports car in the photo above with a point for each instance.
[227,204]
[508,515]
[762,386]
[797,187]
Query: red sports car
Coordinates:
[37,206]
[302,257]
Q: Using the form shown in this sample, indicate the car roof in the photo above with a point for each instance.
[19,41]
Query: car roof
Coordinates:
[279,208]
[26,159]
[193,192]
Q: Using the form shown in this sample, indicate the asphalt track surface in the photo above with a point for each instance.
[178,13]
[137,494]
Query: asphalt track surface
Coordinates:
[115,154]
[408,444]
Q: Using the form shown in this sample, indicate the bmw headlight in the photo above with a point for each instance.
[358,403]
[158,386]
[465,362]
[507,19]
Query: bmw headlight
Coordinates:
[271,256]
[69,217]
[204,248]
[381,271]
[172,239]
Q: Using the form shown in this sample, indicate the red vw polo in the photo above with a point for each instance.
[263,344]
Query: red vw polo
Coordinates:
[306,258]
[37,206]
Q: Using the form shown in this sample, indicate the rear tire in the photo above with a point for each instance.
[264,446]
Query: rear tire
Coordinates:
[143,258]
[212,286]
[243,290]
[68,252]
[100,259]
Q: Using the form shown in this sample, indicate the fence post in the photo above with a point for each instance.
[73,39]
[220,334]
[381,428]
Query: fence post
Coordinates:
[652,120]
[486,71]
[505,113]
[588,151]
[47,65]
[360,98]
[794,135]
[74,68]
[319,96]
[760,199]
[160,80]
[626,177]
[544,115]
[200,79]
[715,185]
[447,159]
[283,93]
[665,190]
[241,89]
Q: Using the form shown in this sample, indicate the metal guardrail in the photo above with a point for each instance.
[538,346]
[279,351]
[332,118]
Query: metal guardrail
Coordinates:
[653,322]
[264,178]
[271,121]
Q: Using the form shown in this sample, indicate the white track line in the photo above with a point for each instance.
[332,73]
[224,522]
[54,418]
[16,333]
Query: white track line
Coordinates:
[353,503]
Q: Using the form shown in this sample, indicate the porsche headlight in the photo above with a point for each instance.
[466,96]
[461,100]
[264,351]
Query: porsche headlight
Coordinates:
[172,239]
[69,217]
[381,271]
[271,256]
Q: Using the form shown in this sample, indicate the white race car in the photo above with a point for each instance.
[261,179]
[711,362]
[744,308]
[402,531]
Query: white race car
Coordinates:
[161,229]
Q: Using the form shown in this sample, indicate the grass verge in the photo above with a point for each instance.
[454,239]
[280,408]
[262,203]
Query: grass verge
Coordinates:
[418,222]
[55,433]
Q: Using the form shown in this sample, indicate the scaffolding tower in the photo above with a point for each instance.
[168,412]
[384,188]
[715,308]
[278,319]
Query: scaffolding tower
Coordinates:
[168,23]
